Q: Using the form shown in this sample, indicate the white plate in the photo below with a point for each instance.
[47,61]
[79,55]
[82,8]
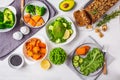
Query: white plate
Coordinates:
[92,45]
[38,3]
[73,28]
[14,12]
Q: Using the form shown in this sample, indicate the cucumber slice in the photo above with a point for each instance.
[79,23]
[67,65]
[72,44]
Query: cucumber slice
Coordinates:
[76,64]
[76,58]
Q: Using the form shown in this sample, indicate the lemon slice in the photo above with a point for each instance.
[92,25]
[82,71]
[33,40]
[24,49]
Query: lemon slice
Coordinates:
[45,64]
[66,34]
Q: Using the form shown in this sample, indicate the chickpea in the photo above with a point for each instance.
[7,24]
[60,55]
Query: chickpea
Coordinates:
[100,34]
[97,30]
[104,28]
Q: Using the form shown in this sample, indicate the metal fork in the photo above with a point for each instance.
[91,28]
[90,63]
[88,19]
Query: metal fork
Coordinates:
[21,6]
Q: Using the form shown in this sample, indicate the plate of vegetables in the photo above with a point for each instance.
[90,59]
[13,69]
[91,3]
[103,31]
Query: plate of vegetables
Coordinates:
[88,59]
[7,18]
[60,30]
[35,49]
[35,14]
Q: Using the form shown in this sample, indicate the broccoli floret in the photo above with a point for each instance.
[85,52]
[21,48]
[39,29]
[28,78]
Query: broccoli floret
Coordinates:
[30,9]
[2,26]
[1,16]
[40,10]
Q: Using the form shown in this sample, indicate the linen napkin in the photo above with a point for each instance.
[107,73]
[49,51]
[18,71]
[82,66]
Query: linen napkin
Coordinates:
[5,2]
[108,57]
[7,43]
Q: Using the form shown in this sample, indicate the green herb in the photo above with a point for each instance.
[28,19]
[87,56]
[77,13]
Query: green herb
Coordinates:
[95,11]
[91,63]
[57,56]
[108,17]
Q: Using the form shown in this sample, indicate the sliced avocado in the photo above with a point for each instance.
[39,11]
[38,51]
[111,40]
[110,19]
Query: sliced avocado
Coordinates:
[58,30]
[65,24]
[66,34]
[58,41]
[71,31]
[67,5]
[50,27]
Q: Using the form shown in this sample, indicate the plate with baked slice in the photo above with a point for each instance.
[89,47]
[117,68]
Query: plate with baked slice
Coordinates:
[93,11]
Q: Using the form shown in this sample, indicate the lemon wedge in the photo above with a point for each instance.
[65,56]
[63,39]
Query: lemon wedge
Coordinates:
[45,64]
[66,34]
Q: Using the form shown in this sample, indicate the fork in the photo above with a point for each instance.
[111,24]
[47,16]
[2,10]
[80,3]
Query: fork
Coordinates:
[22,6]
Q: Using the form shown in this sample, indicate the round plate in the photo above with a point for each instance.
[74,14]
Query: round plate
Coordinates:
[73,28]
[92,45]
[38,3]
[30,59]
[14,12]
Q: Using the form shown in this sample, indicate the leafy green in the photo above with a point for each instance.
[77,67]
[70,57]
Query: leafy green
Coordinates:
[92,62]
[30,9]
[40,10]
[108,17]
[56,30]
[57,56]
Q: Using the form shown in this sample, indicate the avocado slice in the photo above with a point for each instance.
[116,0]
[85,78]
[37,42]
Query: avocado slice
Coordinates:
[67,5]
[58,30]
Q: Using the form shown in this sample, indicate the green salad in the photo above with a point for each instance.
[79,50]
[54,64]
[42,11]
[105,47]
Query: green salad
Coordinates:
[57,56]
[59,30]
[7,19]
[91,63]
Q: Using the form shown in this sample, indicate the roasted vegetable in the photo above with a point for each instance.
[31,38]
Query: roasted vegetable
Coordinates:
[30,9]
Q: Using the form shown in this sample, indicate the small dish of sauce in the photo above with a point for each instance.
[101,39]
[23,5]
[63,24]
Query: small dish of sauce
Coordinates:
[16,61]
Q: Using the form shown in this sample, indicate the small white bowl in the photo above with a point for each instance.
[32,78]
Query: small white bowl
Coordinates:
[16,67]
[72,26]
[14,12]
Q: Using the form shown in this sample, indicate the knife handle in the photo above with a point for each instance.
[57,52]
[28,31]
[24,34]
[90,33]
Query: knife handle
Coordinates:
[22,4]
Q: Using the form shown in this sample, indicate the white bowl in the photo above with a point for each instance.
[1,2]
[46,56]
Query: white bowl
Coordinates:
[45,16]
[30,60]
[14,11]
[16,67]
[72,26]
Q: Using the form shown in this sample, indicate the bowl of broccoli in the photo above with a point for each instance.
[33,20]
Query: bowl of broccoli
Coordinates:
[35,14]
[7,18]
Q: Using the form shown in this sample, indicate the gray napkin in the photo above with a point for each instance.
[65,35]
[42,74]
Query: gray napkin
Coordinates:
[108,57]
[7,43]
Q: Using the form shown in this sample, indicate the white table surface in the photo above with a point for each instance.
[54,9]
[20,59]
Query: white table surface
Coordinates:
[62,72]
